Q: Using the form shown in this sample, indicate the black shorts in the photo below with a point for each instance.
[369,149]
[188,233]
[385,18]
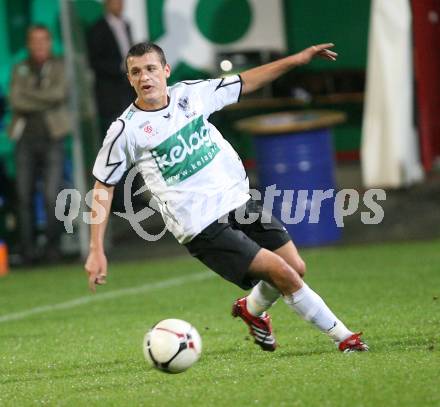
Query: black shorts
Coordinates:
[229,247]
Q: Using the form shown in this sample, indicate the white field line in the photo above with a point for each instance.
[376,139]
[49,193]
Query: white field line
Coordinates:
[106,296]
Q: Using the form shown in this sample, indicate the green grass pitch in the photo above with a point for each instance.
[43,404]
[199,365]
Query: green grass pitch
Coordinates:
[61,346]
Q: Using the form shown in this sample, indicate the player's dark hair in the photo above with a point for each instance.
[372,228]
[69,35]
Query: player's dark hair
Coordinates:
[143,48]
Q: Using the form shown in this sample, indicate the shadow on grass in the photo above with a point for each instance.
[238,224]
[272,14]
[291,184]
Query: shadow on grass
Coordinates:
[399,344]
[77,371]
[299,353]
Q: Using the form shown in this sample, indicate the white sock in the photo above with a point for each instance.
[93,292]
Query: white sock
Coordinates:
[310,307]
[261,298]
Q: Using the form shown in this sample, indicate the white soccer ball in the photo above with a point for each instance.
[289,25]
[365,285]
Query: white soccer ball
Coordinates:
[172,345]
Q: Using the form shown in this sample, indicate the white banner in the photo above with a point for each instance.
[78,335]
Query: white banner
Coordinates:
[135,13]
[390,152]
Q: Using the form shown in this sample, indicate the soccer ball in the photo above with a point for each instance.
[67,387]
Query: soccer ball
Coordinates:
[172,345]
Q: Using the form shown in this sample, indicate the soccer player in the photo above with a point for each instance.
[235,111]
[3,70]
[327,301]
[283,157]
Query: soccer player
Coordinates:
[202,190]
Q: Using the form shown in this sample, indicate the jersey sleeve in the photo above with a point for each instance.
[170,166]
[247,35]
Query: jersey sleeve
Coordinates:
[218,93]
[113,158]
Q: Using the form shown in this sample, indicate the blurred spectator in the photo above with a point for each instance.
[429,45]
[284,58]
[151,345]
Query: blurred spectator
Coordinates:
[40,121]
[109,40]
[5,187]
[2,109]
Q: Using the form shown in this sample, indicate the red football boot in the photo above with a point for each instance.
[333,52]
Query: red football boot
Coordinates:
[353,344]
[259,327]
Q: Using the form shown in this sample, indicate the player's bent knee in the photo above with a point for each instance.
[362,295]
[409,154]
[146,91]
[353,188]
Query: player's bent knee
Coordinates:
[274,269]
[284,277]
[301,268]
[290,254]
[292,275]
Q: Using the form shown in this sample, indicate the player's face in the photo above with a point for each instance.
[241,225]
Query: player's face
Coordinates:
[149,79]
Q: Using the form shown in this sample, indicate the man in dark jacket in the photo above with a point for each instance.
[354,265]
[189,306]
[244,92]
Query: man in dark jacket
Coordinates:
[109,40]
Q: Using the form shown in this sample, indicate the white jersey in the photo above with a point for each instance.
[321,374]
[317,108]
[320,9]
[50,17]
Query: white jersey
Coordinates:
[192,171]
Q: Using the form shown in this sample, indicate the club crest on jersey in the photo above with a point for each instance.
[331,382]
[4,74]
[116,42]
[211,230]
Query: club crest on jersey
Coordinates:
[183,104]
[147,128]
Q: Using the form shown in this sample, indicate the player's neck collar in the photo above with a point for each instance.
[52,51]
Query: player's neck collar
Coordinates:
[153,110]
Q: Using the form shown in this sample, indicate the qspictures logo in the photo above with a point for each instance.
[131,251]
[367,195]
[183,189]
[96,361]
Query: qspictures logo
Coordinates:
[185,152]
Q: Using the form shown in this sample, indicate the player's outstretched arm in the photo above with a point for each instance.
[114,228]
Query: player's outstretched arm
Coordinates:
[96,263]
[256,78]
